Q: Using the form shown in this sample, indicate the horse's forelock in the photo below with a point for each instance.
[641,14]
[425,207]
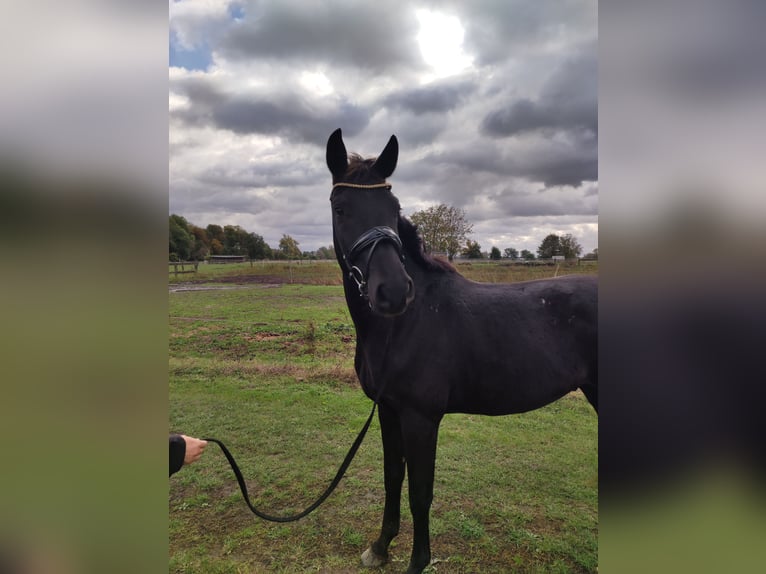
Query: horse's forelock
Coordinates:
[359,166]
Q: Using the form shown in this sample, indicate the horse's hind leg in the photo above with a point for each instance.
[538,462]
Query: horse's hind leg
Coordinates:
[393,471]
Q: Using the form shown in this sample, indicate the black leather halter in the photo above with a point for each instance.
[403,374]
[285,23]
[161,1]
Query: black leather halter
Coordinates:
[369,240]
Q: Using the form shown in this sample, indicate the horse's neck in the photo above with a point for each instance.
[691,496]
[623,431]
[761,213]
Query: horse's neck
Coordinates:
[372,329]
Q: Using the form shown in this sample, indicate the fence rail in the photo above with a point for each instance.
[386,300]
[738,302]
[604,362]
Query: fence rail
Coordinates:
[185,267]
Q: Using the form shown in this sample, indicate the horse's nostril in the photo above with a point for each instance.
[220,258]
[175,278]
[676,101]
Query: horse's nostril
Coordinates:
[393,298]
[383,299]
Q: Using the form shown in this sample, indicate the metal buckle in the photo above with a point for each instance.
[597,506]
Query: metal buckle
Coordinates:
[356,274]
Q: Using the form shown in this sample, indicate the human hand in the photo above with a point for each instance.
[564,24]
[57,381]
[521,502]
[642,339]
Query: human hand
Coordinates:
[194,448]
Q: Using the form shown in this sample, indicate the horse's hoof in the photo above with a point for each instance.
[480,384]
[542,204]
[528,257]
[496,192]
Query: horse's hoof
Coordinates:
[372,560]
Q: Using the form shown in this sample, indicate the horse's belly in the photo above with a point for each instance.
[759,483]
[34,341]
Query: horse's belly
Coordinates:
[493,397]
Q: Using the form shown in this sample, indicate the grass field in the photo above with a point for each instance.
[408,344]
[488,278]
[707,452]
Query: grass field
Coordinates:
[328,272]
[266,366]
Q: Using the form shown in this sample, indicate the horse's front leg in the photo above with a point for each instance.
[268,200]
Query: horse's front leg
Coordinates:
[393,472]
[420,434]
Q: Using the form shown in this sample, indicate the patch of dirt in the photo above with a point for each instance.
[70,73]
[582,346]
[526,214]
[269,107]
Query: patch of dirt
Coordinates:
[250,279]
[263,337]
[247,279]
[201,286]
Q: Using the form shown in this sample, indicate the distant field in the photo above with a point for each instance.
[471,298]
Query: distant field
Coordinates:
[266,366]
[329,273]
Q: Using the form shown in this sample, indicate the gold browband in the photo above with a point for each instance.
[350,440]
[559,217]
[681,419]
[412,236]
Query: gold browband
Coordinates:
[362,186]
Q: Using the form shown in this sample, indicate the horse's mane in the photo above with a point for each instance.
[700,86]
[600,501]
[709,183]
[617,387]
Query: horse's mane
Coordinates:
[413,245]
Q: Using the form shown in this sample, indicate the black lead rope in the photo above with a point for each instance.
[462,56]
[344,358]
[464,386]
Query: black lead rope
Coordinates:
[335,481]
[320,500]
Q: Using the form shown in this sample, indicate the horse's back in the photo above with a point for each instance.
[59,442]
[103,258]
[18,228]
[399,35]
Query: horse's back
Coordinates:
[564,298]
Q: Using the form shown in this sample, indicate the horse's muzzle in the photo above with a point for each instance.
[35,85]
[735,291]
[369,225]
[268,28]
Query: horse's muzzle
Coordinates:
[391,297]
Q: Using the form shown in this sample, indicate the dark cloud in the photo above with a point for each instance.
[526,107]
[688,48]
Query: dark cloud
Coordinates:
[542,204]
[559,126]
[276,174]
[216,204]
[370,36]
[433,98]
[413,130]
[568,101]
[529,209]
[567,161]
[561,166]
[287,113]
[567,171]
[521,116]
[290,116]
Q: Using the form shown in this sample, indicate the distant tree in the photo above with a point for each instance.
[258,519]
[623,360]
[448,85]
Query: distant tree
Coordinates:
[181,240]
[550,246]
[234,240]
[565,245]
[216,247]
[256,247]
[592,255]
[472,250]
[201,248]
[289,247]
[325,253]
[570,248]
[527,255]
[510,253]
[215,235]
[443,228]
[494,254]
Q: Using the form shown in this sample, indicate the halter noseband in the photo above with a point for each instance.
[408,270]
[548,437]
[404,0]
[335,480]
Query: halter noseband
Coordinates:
[369,239]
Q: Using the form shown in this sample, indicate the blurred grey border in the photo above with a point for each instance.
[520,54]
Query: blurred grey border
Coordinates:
[83,214]
[681,304]
[83,207]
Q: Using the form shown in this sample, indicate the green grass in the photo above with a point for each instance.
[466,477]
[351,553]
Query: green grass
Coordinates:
[268,370]
[274,272]
[273,324]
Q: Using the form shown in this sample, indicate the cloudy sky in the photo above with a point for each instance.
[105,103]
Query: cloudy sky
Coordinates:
[494,103]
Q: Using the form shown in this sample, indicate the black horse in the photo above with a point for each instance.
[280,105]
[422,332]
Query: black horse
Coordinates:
[431,342]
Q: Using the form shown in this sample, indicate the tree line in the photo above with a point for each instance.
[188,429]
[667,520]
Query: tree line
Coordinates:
[553,245]
[189,242]
[444,229]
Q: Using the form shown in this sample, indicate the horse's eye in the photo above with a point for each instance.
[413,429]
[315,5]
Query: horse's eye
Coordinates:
[339,210]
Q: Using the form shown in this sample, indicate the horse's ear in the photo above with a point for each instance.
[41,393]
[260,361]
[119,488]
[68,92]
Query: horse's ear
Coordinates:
[386,162]
[337,158]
